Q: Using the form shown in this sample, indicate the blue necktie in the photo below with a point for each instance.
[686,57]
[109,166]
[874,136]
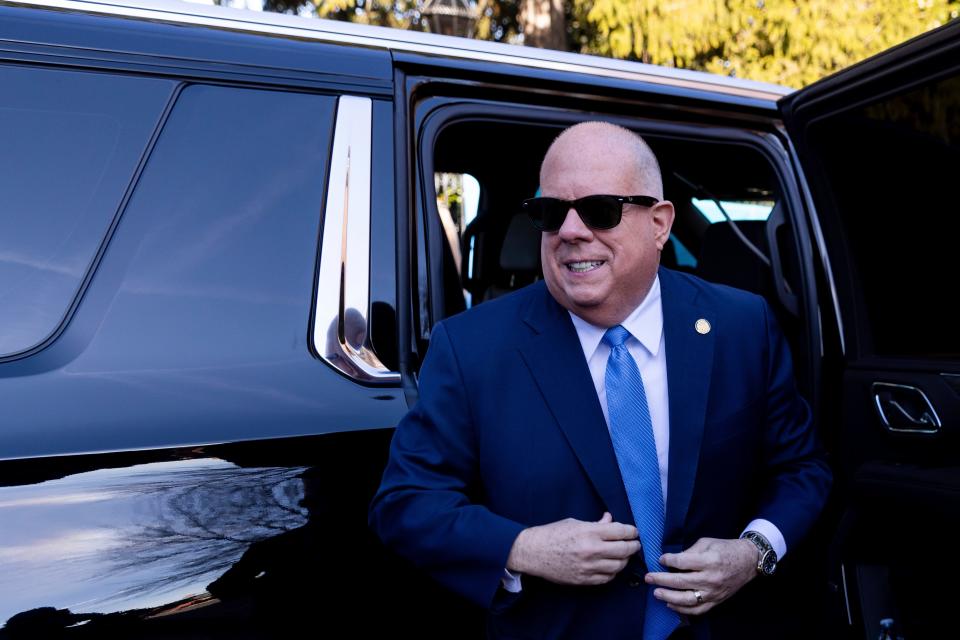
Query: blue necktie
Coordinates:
[632,433]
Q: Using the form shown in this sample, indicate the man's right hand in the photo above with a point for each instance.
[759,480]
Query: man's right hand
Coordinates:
[574,551]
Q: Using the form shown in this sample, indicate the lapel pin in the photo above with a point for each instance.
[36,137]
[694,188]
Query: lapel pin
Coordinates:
[702,326]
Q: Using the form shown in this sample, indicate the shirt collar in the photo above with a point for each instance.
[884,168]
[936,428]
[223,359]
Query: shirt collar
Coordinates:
[645,323]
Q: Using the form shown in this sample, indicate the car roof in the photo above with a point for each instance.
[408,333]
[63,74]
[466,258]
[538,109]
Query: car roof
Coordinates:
[399,40]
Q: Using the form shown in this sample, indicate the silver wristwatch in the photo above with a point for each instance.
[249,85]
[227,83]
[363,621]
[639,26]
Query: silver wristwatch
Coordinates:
[767,561]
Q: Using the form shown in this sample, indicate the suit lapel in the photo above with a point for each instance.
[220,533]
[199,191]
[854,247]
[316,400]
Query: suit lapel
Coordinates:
[555,359]
[689,364]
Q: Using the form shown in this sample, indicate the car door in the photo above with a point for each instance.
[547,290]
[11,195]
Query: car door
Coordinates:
[194,420]
[880,148]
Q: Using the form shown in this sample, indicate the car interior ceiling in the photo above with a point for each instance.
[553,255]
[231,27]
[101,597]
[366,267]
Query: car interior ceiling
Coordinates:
[505,160]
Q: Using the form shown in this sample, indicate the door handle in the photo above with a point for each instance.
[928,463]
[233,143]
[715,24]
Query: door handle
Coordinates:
[904,408]
[923,421]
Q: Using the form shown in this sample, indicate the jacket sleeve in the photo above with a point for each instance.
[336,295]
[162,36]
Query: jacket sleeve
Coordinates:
[798,477]
[426,508]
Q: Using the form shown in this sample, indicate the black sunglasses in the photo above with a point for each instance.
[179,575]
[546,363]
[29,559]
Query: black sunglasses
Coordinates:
[597,212]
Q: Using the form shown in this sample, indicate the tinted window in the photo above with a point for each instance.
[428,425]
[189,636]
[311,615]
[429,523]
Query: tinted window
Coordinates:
[736,210]
[70,143]
[219,241]
[892,166]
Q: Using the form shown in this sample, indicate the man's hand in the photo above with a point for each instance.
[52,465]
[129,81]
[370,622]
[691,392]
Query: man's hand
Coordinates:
[573,551]
[715,568]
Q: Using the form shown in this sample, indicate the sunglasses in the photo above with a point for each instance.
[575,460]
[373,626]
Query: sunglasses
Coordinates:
[597,212]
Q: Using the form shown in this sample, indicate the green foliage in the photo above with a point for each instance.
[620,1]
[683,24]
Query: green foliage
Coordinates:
[497,19]
[402,14]
[791,42]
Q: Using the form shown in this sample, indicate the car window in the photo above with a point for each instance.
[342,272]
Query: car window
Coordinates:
[736,209]
[71,143]
[892,166]
[458,198]
[684,257]
[226,229]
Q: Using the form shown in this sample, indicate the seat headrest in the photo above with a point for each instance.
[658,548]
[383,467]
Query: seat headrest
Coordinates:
[726,260]
[521,246]
[668,257]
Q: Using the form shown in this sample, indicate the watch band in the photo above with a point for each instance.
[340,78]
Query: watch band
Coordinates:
[767,560]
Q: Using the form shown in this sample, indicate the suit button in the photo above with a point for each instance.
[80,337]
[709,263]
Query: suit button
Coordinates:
[634,582]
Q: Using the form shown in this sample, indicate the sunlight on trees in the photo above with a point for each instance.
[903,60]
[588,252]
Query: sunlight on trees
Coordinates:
[790,42]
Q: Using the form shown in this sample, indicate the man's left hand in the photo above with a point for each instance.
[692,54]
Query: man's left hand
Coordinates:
[715,568]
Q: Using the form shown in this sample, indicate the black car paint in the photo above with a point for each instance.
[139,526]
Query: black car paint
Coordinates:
[157,481]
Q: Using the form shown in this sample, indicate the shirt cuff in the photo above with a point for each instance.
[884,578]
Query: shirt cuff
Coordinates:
[511,581]
[769,531]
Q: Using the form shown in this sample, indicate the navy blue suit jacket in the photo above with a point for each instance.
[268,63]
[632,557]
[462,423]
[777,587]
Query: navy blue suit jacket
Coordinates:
[508,433]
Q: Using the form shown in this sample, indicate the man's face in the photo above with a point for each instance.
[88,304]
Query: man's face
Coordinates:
[601,275]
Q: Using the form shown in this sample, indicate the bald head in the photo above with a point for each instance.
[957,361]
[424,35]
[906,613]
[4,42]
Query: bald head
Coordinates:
[602,275]
[597,144]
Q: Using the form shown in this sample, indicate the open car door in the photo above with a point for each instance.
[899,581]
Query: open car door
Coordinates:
[879,144]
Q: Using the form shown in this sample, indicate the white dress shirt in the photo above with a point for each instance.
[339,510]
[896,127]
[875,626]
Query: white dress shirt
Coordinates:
[646,345]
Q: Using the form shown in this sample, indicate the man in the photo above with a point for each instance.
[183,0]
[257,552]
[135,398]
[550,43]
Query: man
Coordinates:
[586,453]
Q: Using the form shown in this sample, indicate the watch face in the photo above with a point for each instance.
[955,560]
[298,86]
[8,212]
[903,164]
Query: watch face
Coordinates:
[769,562]
[768,557]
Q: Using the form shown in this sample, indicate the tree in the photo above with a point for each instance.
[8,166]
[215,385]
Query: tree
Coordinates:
[544,23]
[402,14]
[791,42]
[497,19]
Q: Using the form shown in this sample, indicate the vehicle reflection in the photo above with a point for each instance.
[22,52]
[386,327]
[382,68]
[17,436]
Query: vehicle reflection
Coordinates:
[139,537]
[209,549]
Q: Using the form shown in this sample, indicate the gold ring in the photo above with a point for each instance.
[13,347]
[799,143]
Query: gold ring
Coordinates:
[698,596]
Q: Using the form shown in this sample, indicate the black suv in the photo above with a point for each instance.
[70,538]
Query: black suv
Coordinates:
[222,252]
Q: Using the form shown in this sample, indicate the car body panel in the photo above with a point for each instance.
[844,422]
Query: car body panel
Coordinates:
[177,459]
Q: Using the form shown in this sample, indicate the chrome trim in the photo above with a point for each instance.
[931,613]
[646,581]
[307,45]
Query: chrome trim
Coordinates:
[340,330]
[846,593]
[930,418]
[953,380]
[174,11]
[818,237]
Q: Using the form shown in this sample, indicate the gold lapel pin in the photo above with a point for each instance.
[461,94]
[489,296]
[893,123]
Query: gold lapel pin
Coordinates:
[702,326]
